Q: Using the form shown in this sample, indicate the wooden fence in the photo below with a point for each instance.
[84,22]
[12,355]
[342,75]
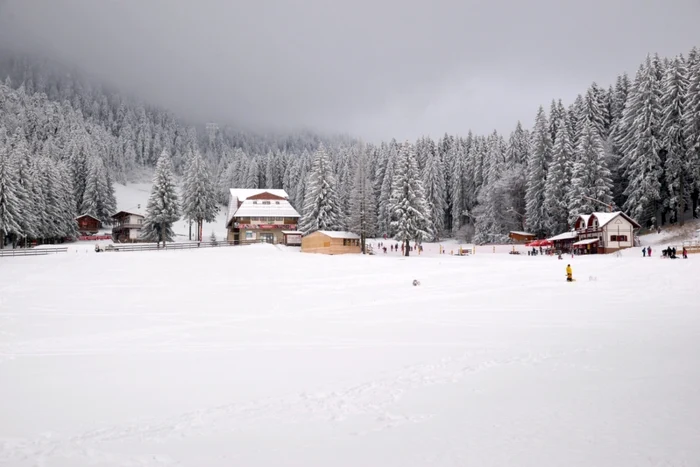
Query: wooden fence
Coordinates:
[168,246]
[31,251]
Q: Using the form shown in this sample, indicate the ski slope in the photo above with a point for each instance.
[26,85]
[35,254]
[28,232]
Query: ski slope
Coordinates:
[263,356]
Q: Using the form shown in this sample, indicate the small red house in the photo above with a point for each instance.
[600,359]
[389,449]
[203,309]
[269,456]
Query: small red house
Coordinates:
[88,225]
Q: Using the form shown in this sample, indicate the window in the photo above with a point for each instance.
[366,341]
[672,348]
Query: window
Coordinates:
[266,202]
[279,219]
[250,235]
[277,202]
[140,221]
[255,202]
[254,219]
[618,238]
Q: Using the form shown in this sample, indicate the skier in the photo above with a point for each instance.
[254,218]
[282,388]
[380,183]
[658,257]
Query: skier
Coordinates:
[649,251]
[644,252]
[569,273]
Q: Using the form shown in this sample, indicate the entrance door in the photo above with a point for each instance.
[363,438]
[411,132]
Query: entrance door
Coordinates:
[267,238]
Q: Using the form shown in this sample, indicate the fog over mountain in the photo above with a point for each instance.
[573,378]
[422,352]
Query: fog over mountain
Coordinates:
[374,69]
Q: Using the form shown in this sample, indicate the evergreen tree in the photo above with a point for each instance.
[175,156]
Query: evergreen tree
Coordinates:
[591,177]
[540,155]
[556,197]
[253,177]
[321,207]
[199,193]
[162,209]
[10,206]
[384,204]
[677,168]
[98,198]
[410,212]
[434,183]
[691,125]
[22,161]
[363,206]
[212,239]
[643,166]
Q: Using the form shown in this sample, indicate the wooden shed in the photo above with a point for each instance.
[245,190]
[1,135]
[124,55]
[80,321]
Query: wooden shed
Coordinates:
[88,225]
[331,242]
[521,237]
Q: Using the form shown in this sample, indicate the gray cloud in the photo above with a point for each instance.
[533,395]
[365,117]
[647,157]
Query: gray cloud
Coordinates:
[376,69]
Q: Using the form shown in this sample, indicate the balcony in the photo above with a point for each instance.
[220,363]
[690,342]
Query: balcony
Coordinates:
[118,227]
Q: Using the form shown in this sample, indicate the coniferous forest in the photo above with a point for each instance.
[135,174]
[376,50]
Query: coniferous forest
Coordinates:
[635,145]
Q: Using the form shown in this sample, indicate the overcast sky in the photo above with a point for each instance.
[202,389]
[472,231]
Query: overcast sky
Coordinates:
[376,69]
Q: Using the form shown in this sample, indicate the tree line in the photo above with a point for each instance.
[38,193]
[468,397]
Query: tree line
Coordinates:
[633,146]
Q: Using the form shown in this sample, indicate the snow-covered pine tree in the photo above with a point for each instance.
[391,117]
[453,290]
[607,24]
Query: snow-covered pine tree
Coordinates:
[457,157]
[556,199]
[593,110]
[677,169]
[691,125]
[163,208]
[212,238]
[363,206]
[384,202]
[643,166]
[98,198]
[253,177]
[409,209]
[590,177]
[434,184]
[22,161]
[10,205]
[321,207]
[300,189]
[538,164]
[575,114]
[199,193]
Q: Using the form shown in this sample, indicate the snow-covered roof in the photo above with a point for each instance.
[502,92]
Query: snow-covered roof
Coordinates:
[244,193]
[563,236]
[587,241]
[339,234]
[86,215]
[525,234]
[604,218]
[256,208]
[585,218]
[131,212]
[291,232]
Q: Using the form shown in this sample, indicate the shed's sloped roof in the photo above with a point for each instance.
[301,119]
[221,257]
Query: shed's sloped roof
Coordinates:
[339,234]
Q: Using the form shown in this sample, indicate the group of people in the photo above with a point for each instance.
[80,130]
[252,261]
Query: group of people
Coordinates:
[395,247]
[669,252]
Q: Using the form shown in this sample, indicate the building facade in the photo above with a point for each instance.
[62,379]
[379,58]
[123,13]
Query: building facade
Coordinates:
[126,226]
[88,225]
[331,243]
[259,216]
[599,232]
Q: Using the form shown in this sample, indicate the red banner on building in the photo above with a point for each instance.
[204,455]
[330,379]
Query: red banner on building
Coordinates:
[265,226]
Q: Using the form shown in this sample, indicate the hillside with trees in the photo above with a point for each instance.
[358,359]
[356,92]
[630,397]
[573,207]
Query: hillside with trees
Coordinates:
[65,142]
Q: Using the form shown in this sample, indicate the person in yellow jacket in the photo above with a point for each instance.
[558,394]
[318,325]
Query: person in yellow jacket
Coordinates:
[569,273]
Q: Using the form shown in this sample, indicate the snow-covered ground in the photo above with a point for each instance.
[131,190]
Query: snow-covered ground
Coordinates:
[263,356]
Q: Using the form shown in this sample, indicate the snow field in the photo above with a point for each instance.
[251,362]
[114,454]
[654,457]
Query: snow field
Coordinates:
[262,356]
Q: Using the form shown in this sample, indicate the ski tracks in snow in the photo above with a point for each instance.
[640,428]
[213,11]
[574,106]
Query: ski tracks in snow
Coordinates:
[375,400]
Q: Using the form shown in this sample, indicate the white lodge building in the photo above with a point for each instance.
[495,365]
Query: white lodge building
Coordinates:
[259,216]
[604,232]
